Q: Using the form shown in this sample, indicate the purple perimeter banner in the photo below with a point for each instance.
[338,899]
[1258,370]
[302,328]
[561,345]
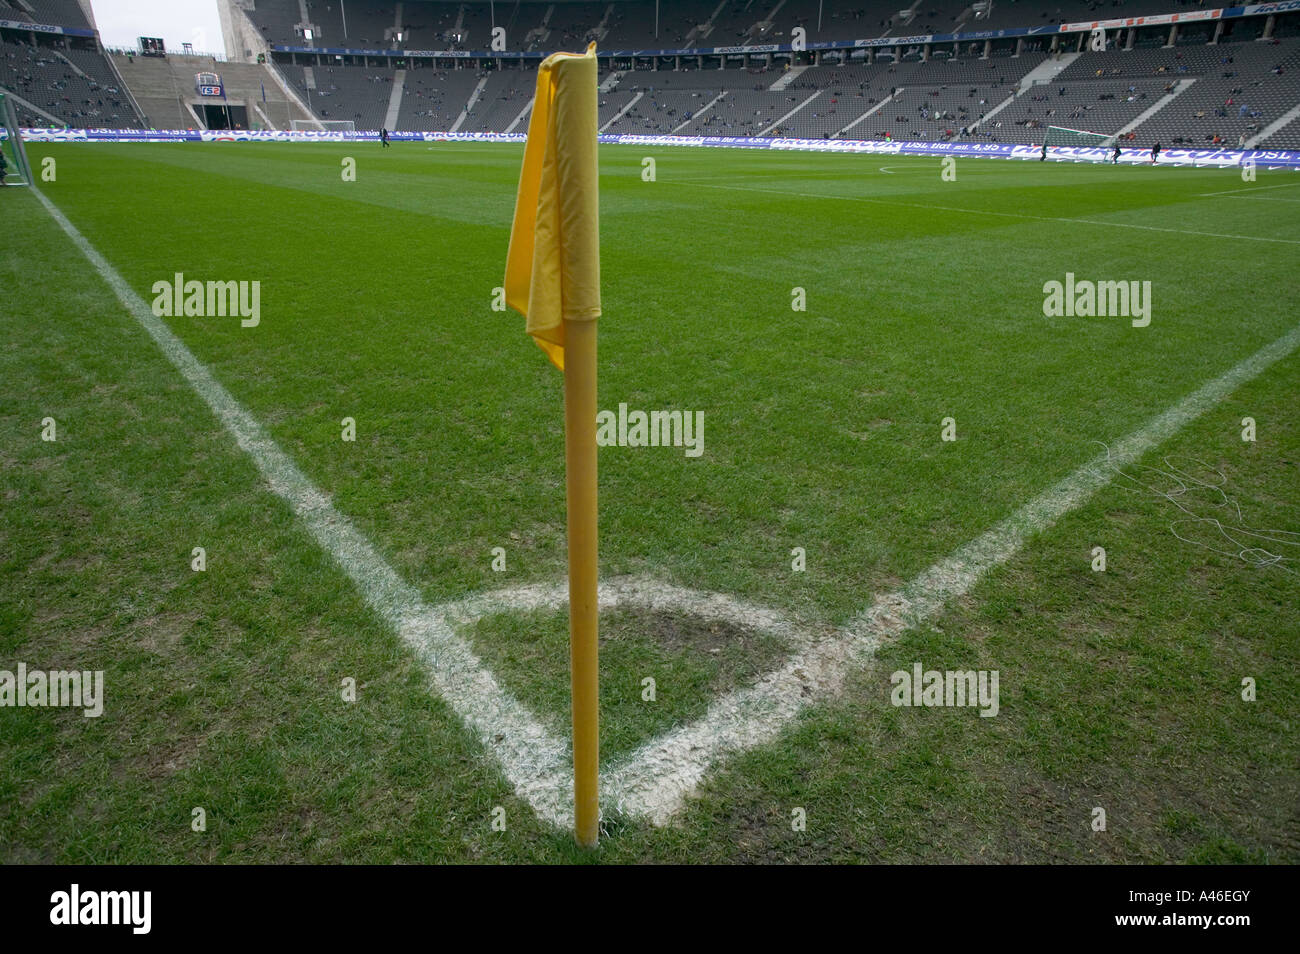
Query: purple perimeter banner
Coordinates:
[1131,155]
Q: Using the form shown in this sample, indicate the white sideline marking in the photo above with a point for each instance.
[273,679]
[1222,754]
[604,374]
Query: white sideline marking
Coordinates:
[654,781]
[1261,198]
[1010,215]
[1284,185]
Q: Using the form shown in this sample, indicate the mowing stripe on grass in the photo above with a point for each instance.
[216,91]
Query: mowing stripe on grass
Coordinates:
[1008,215]
[655,780]
[531,758]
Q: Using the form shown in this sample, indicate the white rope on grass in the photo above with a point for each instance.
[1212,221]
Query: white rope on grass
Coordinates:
[1247,542]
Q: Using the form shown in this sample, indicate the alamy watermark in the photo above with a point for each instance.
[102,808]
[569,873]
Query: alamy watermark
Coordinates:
[213,299]
[36,688]
[75,906]
[932,687]
[652,429]
[1088,299]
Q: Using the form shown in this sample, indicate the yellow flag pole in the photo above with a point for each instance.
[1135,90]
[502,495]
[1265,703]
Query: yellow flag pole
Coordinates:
[580,462]
[553,279]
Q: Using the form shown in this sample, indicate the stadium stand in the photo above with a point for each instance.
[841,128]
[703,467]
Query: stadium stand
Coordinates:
[357,94]
[1239,90]
[1234,98]
[67,13]
[434,99]
[75,86]
[507,92]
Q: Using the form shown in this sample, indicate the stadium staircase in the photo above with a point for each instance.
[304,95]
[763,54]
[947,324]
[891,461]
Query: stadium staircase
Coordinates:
[1040,75]
[790,114]
[32,107]
[788,77]
[523,114]
[700,31]
[1275,127]
[469,105]
[395,97]
[299,109]
[622,112]
[867,115]
[1161,103]
[698,113]
[71,65]
[1048,70]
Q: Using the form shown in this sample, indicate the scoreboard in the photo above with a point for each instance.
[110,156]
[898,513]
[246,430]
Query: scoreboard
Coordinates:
[208,84]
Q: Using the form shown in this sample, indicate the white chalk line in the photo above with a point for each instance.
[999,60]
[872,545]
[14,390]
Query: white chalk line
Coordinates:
[1260,198]
[1009,215]
[1284,185]
[654,781]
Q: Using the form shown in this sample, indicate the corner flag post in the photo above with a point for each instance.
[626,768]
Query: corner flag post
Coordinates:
[580,466]
[553,280]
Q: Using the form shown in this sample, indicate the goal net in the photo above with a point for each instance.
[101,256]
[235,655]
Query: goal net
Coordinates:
[1064,136]
[329,125]
[16,169]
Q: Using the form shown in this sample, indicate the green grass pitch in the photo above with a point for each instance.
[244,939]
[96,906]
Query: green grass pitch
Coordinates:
[1120,689]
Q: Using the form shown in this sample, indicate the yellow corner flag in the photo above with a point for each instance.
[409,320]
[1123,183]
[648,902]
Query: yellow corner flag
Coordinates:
[553,279]
[553,266]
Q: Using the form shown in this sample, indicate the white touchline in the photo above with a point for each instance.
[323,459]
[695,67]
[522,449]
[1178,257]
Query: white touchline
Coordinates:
[1284,185]
[1261,198]
[654,781]
[1009,215]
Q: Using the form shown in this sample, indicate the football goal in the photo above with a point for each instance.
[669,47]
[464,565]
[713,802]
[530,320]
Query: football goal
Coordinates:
[329,125]
[1064,136]
[15,167]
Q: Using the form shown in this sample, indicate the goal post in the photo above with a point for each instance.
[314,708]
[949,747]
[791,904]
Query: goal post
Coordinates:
[17,171]
[1065,136]
[329,125]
